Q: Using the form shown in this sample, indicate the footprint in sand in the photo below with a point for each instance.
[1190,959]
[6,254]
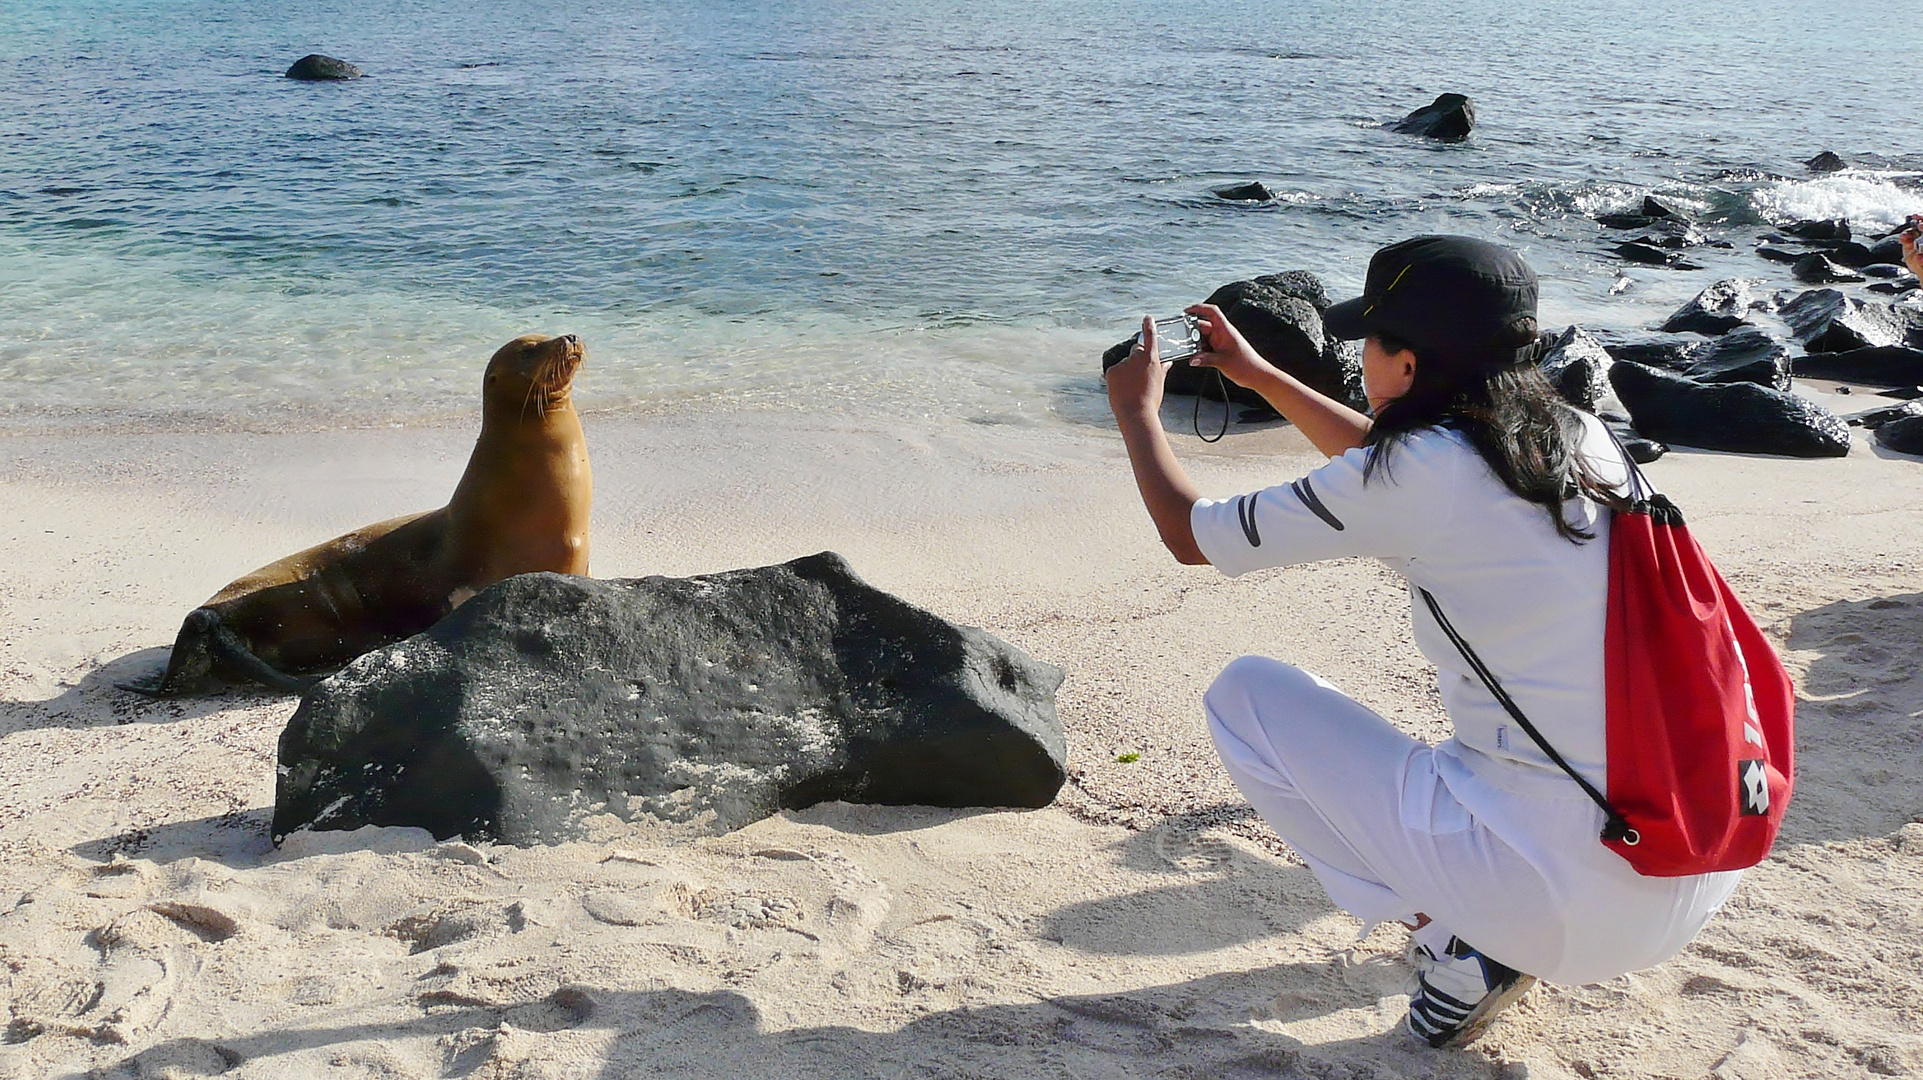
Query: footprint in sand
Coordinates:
[1190,850]
[446,924]
[43,995]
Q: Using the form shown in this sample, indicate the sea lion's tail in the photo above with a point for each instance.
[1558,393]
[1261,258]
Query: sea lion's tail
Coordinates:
[205,641]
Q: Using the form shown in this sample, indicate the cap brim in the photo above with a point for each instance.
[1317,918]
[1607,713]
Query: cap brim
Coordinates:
[1345,320]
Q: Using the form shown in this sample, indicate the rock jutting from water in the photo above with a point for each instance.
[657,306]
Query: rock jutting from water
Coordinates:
[1817,269]
[1826,162]
[1718,309]
[546,698]
[1653,210]
[1637,251]
[1740,417]
[1822,229]
[1449,117]
[317,68]
[1253,191]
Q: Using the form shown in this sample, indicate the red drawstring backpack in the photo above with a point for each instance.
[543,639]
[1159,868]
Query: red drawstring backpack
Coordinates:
[1700,728]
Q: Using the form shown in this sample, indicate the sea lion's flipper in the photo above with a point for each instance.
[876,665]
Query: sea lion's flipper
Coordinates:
[204,641]
[234,654]
[190,667]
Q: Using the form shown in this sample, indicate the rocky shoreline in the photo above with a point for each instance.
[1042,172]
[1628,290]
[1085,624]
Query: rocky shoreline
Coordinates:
[1720,373]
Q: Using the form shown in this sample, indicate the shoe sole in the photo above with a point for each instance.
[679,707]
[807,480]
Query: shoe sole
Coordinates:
[1485,1012]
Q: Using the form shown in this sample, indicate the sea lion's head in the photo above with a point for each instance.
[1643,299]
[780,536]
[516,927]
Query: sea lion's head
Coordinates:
[532,375]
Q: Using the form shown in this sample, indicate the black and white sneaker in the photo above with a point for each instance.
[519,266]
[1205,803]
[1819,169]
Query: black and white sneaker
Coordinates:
[1459,992]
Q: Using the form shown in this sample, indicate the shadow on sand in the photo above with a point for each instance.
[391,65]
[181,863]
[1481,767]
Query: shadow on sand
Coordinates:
[1191,1029]
[97,699]
[1859,720]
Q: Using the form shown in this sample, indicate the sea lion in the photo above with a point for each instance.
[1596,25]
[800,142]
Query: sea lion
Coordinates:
[521,506]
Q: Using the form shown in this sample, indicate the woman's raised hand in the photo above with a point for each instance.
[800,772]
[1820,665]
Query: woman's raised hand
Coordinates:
[1135,384]
[1228,351]
[1910,238]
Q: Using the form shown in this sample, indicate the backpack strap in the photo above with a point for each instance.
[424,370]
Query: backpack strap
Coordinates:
[1616,828]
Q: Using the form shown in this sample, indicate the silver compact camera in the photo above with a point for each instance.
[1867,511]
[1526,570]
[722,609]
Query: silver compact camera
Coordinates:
[1178,337]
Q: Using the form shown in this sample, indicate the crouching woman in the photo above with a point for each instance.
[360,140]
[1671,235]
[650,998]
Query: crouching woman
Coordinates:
[1476,483]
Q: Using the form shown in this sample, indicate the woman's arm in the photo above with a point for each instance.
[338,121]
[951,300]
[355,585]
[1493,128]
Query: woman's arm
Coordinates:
[1333,427]
[1912,255]
[1135,396]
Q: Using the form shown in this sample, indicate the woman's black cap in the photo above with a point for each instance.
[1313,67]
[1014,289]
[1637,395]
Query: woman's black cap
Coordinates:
[1453,296]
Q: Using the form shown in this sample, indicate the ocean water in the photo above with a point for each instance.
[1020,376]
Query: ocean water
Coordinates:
[851,204]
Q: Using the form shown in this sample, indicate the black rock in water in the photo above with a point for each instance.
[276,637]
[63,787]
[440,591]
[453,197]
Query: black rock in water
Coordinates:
[1656,208]
[1848,253]
[1578,367]
[1832,229]
[1638,252]
[1281,316]
[1718,309]
[1826,162]
[317,68]
[1625,221]
[1883,270]
[1449,116]
[549,697]
[1780,255]
[1251,192]
[1740,417]
[1905,284]
[1904,436]
[1672,234]
[1885,365]
[1886,252]
[1825,320]
[1817,269]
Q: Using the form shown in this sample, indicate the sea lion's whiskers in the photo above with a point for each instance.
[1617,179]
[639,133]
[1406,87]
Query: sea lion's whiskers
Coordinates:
[527,397]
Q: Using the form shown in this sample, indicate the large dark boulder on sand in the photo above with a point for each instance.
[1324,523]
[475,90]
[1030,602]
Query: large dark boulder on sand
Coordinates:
[549,697]
[1905,436]
[1888,365]
[1747,355]
[1577,365]
[1449,116]
[1740,417]
[1281,316]
[317,68]
[1825,320]
[1718,309]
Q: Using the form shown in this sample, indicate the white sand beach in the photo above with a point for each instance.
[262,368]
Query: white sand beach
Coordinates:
[1145,926]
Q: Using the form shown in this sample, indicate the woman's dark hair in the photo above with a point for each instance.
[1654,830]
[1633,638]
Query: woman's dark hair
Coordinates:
[1510,414]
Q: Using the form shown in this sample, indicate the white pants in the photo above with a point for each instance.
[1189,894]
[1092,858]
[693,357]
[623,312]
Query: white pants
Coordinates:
[1502,855]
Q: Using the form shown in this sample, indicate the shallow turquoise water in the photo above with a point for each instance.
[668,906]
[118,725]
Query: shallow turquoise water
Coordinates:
[898,199]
